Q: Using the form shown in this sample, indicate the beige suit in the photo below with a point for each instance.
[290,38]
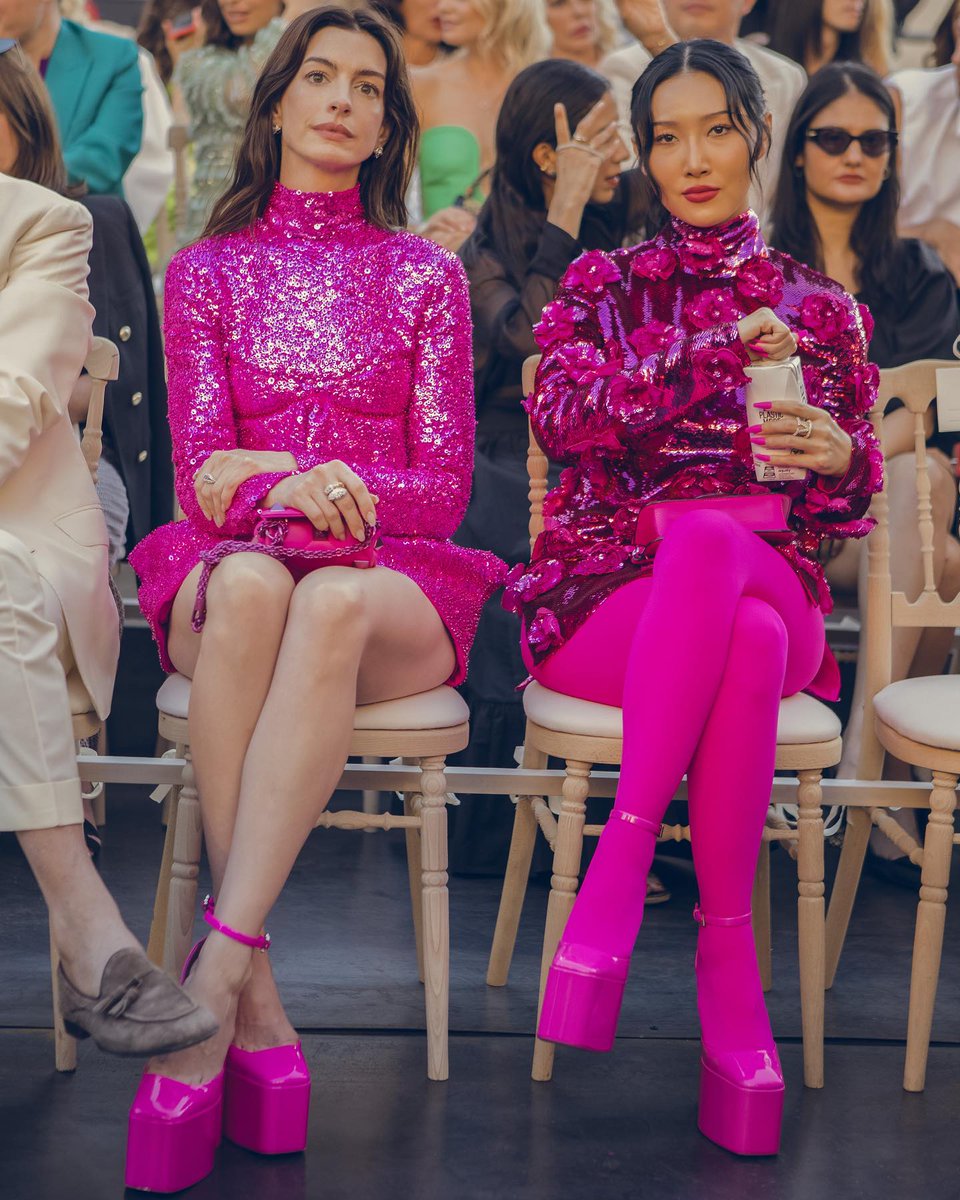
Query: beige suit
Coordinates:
[57,611]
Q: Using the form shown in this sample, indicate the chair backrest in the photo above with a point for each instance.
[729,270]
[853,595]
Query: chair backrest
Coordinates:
[915,384]
[102,365]
[537,462]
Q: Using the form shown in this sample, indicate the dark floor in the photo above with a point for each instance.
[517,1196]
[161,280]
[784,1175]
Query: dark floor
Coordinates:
[608,1126]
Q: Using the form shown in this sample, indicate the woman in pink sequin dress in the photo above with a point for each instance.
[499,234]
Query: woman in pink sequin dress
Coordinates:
[318,359]
[697,638]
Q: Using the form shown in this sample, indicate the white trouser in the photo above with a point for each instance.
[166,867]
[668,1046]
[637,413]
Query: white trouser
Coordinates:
[39,787]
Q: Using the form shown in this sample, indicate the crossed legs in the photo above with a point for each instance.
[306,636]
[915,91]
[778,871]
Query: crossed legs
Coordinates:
[277,672]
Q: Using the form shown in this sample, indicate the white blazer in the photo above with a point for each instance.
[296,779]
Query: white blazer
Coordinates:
[47,498]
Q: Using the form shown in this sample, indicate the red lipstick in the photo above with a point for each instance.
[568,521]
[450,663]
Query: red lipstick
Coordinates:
[700,195]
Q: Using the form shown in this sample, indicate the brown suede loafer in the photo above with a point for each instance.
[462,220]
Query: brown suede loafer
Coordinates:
[139,1011]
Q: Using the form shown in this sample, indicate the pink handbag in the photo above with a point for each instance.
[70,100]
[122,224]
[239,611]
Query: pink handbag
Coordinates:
[286,534]
[765,513]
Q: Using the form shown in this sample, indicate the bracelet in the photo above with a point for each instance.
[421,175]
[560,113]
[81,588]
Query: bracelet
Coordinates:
[585,146]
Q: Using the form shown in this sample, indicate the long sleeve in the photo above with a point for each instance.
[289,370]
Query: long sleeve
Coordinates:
[100,155]
[597,390]
[428,496]
[199,401]
[45,319]
[847,387]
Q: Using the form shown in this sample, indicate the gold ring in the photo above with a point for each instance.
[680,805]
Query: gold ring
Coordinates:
[804,427]
[335,492]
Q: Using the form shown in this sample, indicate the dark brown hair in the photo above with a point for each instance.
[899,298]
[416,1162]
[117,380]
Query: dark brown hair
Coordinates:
[943,40]
[24,102]
[383,181]
[217,31]
[150,33]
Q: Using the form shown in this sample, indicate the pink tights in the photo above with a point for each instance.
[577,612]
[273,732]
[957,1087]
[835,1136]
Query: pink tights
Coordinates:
[698,656]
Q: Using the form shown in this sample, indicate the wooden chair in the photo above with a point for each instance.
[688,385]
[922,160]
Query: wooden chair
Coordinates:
[424,729]
[918,720]
[102,365]
[583,734]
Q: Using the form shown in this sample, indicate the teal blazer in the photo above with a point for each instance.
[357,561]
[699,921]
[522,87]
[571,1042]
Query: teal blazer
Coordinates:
[94,83]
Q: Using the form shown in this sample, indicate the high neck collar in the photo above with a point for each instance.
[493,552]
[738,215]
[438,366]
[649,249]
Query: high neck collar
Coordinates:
[716,251]
[313,214]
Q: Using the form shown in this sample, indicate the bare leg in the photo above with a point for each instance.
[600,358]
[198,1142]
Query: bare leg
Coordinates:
[85,922]
[350,636]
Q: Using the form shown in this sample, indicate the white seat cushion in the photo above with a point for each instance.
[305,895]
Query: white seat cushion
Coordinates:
[802,718]
[440,708]
[925,710]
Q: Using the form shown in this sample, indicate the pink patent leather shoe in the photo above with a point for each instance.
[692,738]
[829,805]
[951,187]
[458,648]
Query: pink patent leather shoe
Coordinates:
[173,1133]
[741,1091]
[267,1099]
[585,986]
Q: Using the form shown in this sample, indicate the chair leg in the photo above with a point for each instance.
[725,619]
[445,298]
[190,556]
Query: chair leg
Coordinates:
[187,843]
[161,900]
[928,937]
[64,1046]
[563,889]
[522,842]
[810,923]
[436,912]
[761,916]
[411,808]
[855,839]
[100,801]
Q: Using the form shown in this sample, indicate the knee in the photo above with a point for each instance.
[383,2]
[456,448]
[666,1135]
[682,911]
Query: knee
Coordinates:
[247,590]
[760,641]
[329,610]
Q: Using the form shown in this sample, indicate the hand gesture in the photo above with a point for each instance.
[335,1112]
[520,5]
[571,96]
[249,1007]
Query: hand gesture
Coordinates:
[216,482]
[580,157]
[331,496]
[646,20]
[766,337]
[811,439]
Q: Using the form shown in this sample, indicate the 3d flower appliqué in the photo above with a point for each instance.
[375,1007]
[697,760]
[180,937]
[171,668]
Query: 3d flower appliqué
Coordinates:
[712,307]
[652,337]
[544,631]
[591,273]
[699,256]
[557,324]
[721,368]
[758,279]
[582,363]
[658,262]
[825,316]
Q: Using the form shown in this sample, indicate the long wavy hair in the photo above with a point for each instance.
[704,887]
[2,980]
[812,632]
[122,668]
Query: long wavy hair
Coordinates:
[26,105]
[741,88]
[515,32]
[874,235]
[798,33]
[383,181]
[513,214]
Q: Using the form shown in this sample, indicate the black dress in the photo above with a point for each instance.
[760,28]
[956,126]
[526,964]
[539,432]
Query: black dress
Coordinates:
[506,300]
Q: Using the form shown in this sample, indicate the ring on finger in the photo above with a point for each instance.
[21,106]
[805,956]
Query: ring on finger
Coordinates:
[206,477]
[335,491]
[804,427]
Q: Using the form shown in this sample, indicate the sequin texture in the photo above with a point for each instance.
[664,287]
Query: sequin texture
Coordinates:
[317,333]
[641,392]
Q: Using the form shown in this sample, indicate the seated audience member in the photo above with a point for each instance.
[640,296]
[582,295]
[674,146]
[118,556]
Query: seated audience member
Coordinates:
[928,104]
[836,210]
[782,80]
[59,628]
[418,23]
[95,88]
[458,98]
[816,32]
[168,28]
[135,476]
[552,196]
[584,31]
[217,82]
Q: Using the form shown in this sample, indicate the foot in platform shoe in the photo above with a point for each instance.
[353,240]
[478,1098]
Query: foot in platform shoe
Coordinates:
[267,1100]
[741,1082]
[139,1010]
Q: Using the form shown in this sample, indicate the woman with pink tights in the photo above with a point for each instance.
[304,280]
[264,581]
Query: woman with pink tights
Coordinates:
[640,392]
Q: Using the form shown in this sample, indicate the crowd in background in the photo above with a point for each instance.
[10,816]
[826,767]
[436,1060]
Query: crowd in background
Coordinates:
[501,86]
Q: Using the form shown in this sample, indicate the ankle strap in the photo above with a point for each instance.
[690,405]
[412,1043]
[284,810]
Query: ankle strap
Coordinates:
[258,943]
[703,918]
[641,822]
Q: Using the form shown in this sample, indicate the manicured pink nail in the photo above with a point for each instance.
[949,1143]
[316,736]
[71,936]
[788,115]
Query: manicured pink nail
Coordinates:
[754,429]
[762,457]
[764,404]
[759,441]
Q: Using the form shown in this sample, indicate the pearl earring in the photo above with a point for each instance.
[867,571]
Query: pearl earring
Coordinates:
[276,129]
[378,152]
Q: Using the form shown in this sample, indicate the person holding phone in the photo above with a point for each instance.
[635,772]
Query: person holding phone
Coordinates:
[697,635]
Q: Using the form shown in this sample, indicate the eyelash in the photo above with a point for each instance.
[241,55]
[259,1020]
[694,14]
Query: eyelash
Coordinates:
[370,89]
[664,139]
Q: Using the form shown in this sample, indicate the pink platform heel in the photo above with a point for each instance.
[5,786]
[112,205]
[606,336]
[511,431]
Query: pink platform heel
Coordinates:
[175,1128]
[267,1099]
[741,1091]
[585,985]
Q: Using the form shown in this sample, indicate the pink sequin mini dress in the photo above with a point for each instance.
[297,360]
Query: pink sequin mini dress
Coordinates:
[317,333]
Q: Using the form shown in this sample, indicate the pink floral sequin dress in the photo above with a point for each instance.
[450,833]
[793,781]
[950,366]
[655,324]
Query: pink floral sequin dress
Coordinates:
[641,391]
[317,333]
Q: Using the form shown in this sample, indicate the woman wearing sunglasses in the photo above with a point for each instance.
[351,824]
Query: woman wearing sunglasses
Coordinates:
[836,210]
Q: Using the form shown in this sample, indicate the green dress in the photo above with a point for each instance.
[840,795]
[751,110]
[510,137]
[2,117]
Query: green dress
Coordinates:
[449,166]
[217,86]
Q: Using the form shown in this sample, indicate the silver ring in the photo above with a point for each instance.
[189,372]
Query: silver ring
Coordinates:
[578,137]
[804,427]
[335,492]
[206,477]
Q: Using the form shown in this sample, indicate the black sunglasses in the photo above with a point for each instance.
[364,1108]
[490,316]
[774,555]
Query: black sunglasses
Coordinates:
[874,143]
